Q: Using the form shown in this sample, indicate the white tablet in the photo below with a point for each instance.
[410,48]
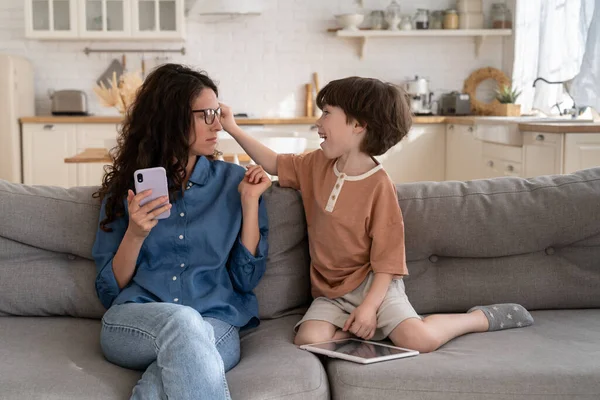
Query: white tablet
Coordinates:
[359,351]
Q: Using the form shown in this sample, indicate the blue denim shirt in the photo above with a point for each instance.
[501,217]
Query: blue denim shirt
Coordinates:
[195,257]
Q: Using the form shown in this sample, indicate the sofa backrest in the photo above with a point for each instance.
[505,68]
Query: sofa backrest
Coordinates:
[534,242]
[46,265]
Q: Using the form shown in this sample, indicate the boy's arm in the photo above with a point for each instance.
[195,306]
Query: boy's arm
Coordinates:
[378,290]
[260,153]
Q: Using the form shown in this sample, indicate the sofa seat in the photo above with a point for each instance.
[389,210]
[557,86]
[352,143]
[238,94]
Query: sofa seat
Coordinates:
[556,358]
[60,358]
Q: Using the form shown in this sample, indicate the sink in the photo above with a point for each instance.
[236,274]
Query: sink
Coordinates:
[570,121]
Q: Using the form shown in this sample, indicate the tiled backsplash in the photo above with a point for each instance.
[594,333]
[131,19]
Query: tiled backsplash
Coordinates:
[261,62]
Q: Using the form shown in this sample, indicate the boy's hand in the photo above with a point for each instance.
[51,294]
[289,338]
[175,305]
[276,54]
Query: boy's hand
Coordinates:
[254,184]
[227,120]
[362,322]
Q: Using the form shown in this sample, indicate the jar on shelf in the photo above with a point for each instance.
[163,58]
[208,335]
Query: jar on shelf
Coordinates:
[393,16]
[422,19]
[377,19]
[450,19]
[501,16]
[406,23]
[436,21]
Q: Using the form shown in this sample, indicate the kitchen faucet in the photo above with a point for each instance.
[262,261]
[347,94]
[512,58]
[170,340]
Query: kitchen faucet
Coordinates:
[575,111]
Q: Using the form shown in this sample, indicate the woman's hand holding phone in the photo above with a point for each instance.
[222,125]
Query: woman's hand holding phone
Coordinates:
[143,218]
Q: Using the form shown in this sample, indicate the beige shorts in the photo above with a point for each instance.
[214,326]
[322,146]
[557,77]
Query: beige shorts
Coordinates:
[394,309]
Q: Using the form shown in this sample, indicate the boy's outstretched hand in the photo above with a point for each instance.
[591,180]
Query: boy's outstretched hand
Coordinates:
[255,183]
[227,120]
[362,322]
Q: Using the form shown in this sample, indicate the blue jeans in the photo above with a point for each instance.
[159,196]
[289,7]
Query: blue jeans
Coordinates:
[184,355]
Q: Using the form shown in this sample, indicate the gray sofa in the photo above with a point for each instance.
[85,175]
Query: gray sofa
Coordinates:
[534,242]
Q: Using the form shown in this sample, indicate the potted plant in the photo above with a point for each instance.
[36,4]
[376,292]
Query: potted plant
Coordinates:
[507,97]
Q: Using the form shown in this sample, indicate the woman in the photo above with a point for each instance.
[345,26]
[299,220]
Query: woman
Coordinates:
[178,289]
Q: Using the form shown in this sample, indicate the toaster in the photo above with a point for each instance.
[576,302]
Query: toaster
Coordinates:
[455,103]
[69,102]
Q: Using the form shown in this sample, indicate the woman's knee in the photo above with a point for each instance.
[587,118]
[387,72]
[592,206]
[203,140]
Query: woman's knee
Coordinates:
[186,322]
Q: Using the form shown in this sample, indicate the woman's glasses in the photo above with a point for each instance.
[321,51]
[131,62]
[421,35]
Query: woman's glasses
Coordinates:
[210,114]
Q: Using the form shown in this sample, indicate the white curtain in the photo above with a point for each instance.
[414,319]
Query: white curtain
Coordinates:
[550,38]
[586,86]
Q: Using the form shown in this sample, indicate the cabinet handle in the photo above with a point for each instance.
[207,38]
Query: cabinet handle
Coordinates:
[48,127]
[490,163]
[510,168]
[470,129]
[451,127]
[540,138]
[313,128]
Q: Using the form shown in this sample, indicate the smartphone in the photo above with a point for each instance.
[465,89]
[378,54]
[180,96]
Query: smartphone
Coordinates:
[155,179]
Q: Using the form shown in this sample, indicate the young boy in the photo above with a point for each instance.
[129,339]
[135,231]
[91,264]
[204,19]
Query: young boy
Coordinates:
[355,226]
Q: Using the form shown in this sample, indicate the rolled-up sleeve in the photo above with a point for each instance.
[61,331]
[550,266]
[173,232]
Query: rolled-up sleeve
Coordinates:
[293,169]
[247,269]
[104,250]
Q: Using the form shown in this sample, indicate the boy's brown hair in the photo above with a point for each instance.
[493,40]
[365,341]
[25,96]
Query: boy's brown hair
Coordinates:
[382,107]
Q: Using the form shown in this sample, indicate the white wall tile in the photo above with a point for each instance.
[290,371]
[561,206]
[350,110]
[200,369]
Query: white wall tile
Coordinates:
[261,62]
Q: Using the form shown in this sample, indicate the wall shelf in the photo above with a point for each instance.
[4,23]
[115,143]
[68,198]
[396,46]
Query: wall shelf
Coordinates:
[478,35]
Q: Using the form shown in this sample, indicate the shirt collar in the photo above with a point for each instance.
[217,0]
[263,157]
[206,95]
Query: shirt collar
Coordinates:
[201,171]
[356,177]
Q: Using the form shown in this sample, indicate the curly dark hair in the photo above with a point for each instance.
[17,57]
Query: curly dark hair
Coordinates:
[155,133]
[383,107]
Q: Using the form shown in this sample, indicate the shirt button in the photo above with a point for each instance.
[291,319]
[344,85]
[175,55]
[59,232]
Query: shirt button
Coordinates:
[180,236]
[175,299]
[182,265]
[337,186]
[333,197]
[174,278]
[182,214]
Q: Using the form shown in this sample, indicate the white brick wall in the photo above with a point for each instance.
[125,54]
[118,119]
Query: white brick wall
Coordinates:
[262,62]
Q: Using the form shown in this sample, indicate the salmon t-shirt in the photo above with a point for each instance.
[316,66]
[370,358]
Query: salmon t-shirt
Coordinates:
[354,222]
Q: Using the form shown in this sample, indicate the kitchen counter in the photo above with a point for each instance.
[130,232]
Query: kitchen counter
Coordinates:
[561,127]
[525,124]
[51,119]
[98,119]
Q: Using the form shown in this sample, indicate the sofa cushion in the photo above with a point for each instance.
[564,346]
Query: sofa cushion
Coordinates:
[286,282]
[529,241]
[48,237]
[556,358]
[272,367]
[37,282]
[60,357]
[50,218]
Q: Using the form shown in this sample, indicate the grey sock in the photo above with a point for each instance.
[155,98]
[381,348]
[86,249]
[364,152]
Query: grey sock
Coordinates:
[505,316]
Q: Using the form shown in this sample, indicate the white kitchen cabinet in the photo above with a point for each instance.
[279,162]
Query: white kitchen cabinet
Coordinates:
[45,146]
[104,19]
[582,150]
[162,19]
[51,19]
[500,160]
[420,156]
[463,153]
[542,154]
[92,136]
